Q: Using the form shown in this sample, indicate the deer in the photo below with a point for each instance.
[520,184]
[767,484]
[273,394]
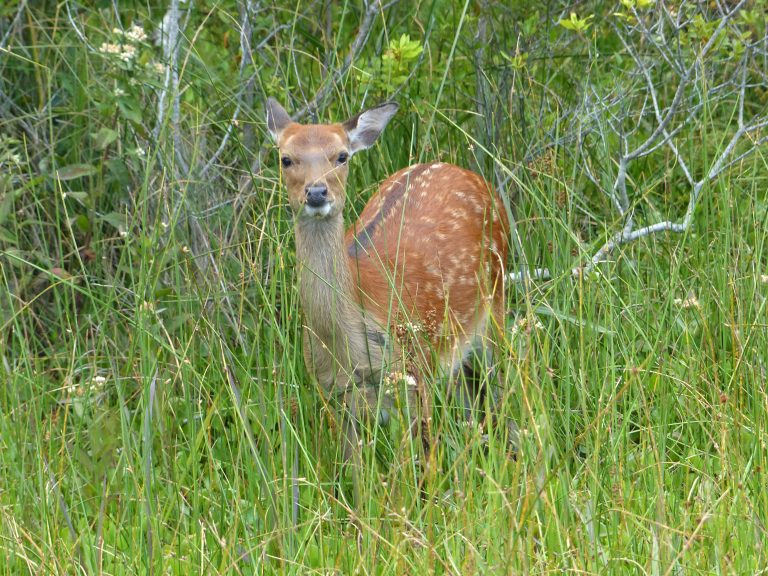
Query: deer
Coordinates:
[414,287]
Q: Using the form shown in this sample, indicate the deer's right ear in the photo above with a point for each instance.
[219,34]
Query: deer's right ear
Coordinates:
[364,128]
[277,118]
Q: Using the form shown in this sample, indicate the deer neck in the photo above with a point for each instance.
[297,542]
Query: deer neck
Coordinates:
[325,283]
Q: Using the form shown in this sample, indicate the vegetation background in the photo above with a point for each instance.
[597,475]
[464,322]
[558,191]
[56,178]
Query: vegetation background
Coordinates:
[155,414]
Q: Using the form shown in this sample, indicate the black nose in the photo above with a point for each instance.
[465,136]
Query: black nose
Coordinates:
[317,195]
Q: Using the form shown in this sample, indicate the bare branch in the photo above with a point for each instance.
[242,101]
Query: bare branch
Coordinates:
[12,25]
[670,121]
[168,38]
[535,274]
[245,60]
[372,8]
[75,27]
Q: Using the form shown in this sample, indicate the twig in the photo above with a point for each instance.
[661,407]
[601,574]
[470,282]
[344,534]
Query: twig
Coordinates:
[662,136]
[169,41]
[12,25]
[372,8]
[75,27]
[245,61]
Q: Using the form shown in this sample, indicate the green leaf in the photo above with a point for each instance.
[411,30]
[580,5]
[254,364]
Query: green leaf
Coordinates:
[82,223]
[8,237]
[562,316]
[74,171]
[119,171]
[103,138]
[518,60]
[575,23]
[115,219]
[130,110]
[80,196]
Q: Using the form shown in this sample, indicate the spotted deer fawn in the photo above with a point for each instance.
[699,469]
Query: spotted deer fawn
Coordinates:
[413,288]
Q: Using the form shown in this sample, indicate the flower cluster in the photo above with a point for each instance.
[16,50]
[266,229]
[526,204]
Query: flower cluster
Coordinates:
[96,385]
[690,302]
[392,379]
[157,67]
[524,326]
[126,52]
[126,49]
[134,34]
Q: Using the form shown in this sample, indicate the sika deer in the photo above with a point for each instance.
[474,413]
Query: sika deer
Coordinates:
[425,258]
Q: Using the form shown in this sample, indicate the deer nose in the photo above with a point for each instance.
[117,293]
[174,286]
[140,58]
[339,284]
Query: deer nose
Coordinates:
[317,195]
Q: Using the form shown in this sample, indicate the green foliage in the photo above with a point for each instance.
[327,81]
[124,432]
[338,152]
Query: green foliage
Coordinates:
[394,67]
[155,412]
[575,23]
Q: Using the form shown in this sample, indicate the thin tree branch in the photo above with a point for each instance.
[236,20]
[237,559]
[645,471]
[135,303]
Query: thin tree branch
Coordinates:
[662,136]
[12,25]
[372,8]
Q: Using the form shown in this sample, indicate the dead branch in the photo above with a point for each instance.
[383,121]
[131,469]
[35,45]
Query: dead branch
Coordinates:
[670,120]
[372,8]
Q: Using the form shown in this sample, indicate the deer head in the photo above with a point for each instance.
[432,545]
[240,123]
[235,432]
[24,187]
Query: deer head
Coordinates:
[314,158]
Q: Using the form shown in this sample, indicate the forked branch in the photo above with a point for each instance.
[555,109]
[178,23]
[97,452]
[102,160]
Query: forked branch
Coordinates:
[678,119]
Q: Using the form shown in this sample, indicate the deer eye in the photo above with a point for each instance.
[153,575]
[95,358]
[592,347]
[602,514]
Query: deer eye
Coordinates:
[342,159]
[286,162]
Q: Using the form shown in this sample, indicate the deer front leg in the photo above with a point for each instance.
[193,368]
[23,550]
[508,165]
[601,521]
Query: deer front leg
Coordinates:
[405,394]
[479,392]
[376,400]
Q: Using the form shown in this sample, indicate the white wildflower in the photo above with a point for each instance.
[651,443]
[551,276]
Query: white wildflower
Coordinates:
[119,92]
[136,33]
[157,67]
[690,302]
[522,326]
[97,383]
[107,48]
[15,158]
[128,53]
[140,152]
[393,378]
[764,278]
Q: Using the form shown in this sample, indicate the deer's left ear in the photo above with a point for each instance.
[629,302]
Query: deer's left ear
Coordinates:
[364,128]
[277,118]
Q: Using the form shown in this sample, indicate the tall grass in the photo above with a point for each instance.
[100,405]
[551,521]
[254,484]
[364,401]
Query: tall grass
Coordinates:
[155,412]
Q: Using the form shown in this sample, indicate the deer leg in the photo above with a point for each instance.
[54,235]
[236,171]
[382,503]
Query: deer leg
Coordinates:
[405,394]
[358,404]
[480,394]
[468,387]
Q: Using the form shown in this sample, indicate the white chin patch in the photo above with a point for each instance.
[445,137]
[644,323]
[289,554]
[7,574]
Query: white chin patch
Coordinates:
[319,212]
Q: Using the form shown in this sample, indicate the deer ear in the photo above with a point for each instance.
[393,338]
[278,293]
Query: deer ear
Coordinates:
[277,118]
[364,128]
